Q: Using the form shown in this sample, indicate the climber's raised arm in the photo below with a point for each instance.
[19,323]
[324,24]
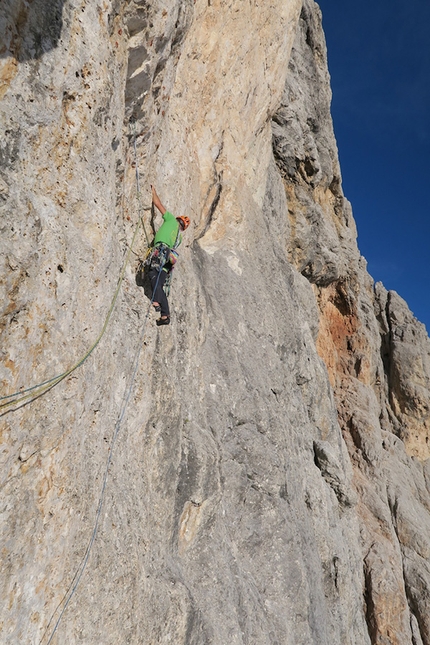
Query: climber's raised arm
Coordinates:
[156,201]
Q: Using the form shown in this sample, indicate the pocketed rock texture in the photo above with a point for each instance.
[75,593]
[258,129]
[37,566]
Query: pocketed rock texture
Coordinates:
[268,451]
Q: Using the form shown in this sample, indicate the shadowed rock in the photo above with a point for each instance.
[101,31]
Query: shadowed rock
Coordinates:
[29,29]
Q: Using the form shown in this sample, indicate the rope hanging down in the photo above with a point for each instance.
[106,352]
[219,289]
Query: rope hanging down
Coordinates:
[82,566]
[30,394]
[63,604]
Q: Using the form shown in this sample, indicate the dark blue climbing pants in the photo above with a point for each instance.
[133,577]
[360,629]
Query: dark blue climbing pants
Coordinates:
[158,294]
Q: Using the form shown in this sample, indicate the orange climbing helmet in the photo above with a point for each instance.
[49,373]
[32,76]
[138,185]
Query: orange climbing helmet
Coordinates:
[185,221]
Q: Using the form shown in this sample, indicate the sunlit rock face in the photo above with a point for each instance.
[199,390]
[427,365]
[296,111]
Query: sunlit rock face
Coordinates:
[376,354]
[267,452]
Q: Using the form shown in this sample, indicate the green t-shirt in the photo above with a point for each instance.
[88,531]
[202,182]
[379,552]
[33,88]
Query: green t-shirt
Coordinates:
[168,231]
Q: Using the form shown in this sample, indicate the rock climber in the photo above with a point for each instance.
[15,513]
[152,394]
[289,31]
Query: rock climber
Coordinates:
[163,256]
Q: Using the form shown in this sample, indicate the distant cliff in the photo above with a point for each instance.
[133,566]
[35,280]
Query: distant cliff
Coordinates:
[257,472]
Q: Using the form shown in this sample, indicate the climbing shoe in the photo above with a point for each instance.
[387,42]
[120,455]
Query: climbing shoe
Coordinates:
[163,321]
[157,308]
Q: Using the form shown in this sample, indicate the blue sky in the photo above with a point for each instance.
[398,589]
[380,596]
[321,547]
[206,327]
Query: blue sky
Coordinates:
[379,62]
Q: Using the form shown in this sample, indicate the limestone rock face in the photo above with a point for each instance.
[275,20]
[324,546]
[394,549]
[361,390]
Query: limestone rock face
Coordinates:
[375,351]
[256,472]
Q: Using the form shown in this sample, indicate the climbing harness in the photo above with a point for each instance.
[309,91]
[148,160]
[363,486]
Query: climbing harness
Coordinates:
[159,256]
[161,253]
